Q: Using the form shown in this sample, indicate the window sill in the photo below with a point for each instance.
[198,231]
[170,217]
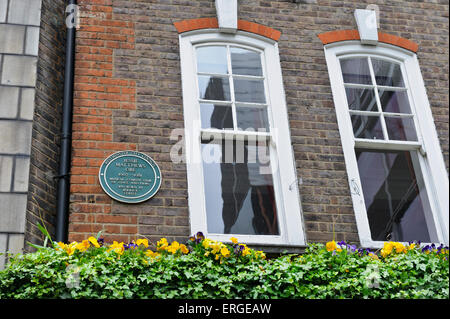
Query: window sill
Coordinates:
[279,249]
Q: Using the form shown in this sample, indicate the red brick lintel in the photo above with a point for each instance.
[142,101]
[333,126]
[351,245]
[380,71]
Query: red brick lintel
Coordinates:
[346,35]
[211,23]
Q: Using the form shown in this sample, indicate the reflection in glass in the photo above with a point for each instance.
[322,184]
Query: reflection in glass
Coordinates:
[367,127]
[394,193]
[361,99]
[356,70]
[394,101]
[252,117]
[400,128]
[387,73]
[239,191]
[216,116]
[212,59]
[214,88]
[245,62]
[249,91]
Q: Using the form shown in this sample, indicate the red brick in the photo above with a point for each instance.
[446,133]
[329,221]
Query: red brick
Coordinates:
[211,23]
[345,35]
[112,219]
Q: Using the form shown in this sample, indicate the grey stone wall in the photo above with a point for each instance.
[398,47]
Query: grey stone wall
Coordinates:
[19,40]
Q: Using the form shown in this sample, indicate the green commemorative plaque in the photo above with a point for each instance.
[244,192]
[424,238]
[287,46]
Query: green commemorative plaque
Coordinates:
[130,177]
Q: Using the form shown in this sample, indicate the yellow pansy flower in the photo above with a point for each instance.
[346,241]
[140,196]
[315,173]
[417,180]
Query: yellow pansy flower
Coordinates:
[70,250]
[207,243]
[84,245]
[162,244]
[387,249]
[246,251]
[150,253]
[184,249]
[61,245]
[225,252]
[117,247]
[234,240]
[390,247]
[399,247]
[142,242]
[331,245]
[94,241]
[216,247]
[261,254]
[173,247]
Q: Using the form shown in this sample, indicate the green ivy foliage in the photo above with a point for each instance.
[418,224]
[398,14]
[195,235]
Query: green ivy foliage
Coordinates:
[102,272]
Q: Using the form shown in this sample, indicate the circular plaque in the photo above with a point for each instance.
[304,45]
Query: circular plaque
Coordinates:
[130,177]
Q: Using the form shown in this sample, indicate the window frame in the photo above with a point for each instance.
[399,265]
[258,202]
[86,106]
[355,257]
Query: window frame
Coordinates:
[291,224]
[233,103]
[429,151]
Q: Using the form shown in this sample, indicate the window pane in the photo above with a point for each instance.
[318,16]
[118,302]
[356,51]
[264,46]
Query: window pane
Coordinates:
[394,101]
[252,117]
[216,116]
[239,191]
[249,91]
[367,127]
[400,128]
[214,88]
[361,99]
[395,197]
[356,71]
[212,59]
[387,73]
[245,62]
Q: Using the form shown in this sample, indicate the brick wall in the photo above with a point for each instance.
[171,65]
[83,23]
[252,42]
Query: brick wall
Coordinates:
[128,97]
[41,206]
[104,104]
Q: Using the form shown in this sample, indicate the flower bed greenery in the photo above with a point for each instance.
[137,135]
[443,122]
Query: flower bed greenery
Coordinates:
[203,268]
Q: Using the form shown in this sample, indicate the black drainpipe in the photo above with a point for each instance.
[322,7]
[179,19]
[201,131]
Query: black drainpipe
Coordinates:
[63,190]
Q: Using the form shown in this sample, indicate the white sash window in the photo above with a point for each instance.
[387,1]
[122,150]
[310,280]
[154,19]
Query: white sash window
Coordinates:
[395,167]
[240,167]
